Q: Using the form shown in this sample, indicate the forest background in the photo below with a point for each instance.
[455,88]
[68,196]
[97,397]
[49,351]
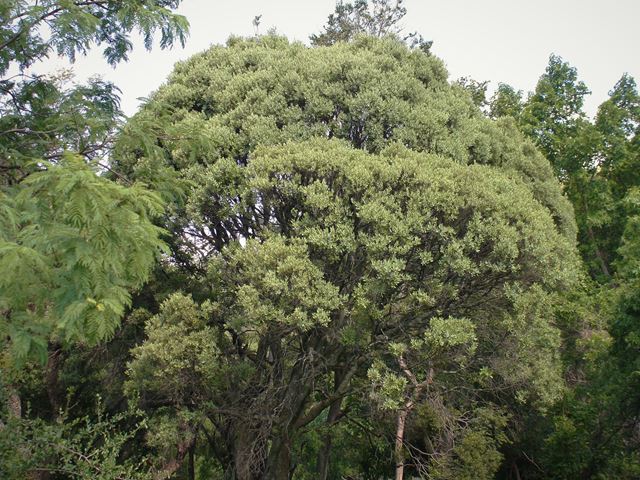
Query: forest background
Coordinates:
[406,297]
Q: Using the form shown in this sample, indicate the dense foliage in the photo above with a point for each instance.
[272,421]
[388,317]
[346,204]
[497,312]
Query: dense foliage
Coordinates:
[324,270]
[73,244]
[311,262]
[594,429]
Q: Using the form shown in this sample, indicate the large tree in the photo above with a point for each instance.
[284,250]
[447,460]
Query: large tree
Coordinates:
[328,204]
[591,432]
[377,18]
[73,243]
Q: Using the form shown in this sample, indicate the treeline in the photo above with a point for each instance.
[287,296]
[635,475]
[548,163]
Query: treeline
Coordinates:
[313,262]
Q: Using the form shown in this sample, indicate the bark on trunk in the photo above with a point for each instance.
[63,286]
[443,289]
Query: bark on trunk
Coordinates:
[192,467]
[14,405]
[173,465]
[516,470]
[413,397]
[325,452]
[54,362]
[399,451]
[248,459]
[279,465]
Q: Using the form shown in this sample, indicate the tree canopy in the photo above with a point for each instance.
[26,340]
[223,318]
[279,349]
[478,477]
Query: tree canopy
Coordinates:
[338,205]
[311,262]
[73,243]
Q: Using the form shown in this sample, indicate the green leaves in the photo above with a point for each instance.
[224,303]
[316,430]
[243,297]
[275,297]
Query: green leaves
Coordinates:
[344,200]
[180,356]
[223,105]
[275,283]
[74,26]
[93,447]
[71,249]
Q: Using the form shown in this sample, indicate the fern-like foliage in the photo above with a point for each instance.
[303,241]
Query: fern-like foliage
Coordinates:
[72,246]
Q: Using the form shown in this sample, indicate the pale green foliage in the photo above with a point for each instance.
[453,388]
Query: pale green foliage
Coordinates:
[447,343]
[178,355]
[72,246]
[273,283]
[348,251]
[344,200]
[449,332]
[388,389]
[223,103]
[532,365]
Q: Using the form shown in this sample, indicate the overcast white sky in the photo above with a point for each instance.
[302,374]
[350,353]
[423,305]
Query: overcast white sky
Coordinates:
[498,40]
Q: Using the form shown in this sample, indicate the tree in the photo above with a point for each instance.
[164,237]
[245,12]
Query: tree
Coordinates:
[72,246]
[583,154]
[40,117]
[74,26]
[86,448]
[506,102]
[618,158]
[552,114]
[316,240]
[378,19]
[596,424]
[589,433]
[73,243]
[600,417]
[477,90]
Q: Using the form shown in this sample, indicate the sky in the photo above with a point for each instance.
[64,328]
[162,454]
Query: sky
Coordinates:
[505,41]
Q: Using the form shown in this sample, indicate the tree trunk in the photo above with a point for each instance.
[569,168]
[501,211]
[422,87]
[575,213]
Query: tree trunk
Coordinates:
[14,405]
[418,387]
[173,465]
[325,452]
[248,460]
[398,452]
[192,467]
[279,465]
[54,362]
[516,470]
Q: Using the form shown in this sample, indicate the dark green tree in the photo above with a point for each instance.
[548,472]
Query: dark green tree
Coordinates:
[591,434]
[553,113]
[377,18]
[74,242]
[506,102]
